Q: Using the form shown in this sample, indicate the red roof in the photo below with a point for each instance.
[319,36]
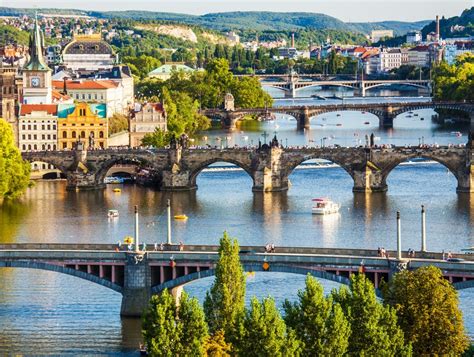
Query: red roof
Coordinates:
[29,108]
[59,96]
[85,84]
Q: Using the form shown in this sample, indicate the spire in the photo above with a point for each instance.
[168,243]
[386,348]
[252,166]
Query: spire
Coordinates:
[36,61]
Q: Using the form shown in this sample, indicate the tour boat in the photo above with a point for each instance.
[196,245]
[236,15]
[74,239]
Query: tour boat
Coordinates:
[181,217]
[324,206]
[113,213]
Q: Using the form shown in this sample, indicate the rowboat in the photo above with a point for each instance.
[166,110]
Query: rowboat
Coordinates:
[181,217]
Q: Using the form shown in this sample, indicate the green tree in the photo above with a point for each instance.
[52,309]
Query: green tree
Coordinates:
[428,312]
[118,123]
[172,331]
[215,345]
[14,171]
[264,332]
[225,302]
[159,138]
[374,328]
[318,322]
[455,82]
[248,93]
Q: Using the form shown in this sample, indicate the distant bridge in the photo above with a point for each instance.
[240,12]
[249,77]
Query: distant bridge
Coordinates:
[290,84]
[386,112]
[138,275]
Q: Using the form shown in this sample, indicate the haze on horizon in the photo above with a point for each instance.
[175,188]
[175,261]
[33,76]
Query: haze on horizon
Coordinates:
[345,10]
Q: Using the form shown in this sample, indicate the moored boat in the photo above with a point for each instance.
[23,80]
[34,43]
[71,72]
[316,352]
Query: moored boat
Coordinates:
[324,206]
[181,217]
[113,213]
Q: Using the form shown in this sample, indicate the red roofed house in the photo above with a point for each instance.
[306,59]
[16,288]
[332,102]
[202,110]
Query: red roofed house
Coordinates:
[37,127]
[104,91]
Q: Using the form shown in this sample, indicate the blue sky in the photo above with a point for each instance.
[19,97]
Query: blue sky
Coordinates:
[346,10]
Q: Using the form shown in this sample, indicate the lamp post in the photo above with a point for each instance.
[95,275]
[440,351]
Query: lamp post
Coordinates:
[168,206]
[399,237]
[423,229]
[137,248]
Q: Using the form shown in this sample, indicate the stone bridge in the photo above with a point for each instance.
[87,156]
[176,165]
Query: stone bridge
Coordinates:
[268,167]
[386,112]
[138,275]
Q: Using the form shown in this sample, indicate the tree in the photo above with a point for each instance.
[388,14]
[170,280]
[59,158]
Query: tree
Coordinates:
[118,123]
[159,138]
[169,330]
[14,171]
[455,82]
[225,302]
[264,332]
[318,322]
[374,329]
[428,311]
[215,345]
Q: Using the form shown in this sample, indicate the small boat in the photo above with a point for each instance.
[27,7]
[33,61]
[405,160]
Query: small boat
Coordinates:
[409,116]
[415,114]
[117,190]
[245,137]
[338,115]
[456,133]
[422,118]
[363,112]
[113,213]
[181,217]
[366,123]
[338,124]
[324,206]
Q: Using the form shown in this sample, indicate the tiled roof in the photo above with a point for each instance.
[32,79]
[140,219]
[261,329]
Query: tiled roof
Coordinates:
[59,96]
[85,84]
[88,48]
[29,108]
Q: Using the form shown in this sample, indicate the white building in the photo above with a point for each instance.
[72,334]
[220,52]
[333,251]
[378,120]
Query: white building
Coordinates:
[115,95]
[144,119]
[451,51]
[419,56]
[233,37]
[37,127]
[389,58]
[377,35]
[413,37]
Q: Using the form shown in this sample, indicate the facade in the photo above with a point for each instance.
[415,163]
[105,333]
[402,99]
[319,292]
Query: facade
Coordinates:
[419,56]
[377,35]
[164,72]
[413,37]
[106,91]
[53,55]
[451,51]
[37,127]
[233,37]
[389,59]
[37,87]
[9,97]
[88,52]
[144,119]
[82,122]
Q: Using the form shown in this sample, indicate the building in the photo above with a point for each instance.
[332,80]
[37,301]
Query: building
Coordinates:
[451,51]
[9,97]
[82,122]
[389,58]
[377,35]
[165,71]
[37,127]
[53,55]
[419,56]
[413,37]
[144,119]
[233,37]
[37,88]
[88,52]
[105,91]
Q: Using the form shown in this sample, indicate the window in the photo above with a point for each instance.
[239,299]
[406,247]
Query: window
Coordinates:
[73,134]
[23,136]
[49,127]
[49,137]
[24,147]
[34,127]
[101,134]
[90,96]
[42,136]
[35,147]
[83,96]
[64,145]
[54,136]
[34,137]
[29,127]
[29,136]
[83,134]
[54,146]
[64,134]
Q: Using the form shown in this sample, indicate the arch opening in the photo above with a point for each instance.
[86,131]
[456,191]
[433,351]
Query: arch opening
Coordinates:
[46,171]
[345,119]
[124,170]
[219,170]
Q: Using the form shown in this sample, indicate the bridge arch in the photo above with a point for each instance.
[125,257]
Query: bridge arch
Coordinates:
[46,160]
[252,268]
[415,85]
[468,284]
[295,163]
[197,170]
[63,270]
[105,166]
[460,108]
[302,86]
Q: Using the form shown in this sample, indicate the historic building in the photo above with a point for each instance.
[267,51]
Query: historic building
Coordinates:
[144,119]
[37,88]
[88,52]
[37,127]
[82,122]
[9,97]
[165,71]
[113,94]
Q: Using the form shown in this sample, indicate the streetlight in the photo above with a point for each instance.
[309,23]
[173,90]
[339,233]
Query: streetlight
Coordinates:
[286,139]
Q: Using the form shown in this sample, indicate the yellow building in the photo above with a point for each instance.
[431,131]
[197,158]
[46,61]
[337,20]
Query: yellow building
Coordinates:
[82,122]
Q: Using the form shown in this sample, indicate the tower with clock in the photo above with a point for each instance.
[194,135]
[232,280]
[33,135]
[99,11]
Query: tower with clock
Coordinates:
[37,85]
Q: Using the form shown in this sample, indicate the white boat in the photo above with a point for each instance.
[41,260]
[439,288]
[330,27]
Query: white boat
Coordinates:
[113,213]
[324,206]
[456,133]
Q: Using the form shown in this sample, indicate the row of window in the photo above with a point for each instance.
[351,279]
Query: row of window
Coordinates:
[88,96]
[30,147]
[82,134]
[35,137]
[35,127]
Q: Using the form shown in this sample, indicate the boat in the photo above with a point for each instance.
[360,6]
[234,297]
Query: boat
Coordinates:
[112,179]
[338,124]
[113,213]
[324,206]
[117,190]
[456,133]
[422,118]
[366,123]
[181,217]
[338,115]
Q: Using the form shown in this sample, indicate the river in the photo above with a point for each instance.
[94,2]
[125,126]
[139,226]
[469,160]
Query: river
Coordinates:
[48,313]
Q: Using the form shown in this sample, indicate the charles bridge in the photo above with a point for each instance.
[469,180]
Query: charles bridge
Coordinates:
[139,274]
[386,112]
[269,166]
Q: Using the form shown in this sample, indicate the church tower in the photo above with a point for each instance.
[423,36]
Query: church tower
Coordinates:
[37,85]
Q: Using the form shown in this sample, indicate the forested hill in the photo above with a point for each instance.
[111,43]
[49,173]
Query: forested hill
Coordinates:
[254,20]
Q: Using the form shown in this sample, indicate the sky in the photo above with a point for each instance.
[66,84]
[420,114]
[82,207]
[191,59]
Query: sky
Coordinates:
[345,10]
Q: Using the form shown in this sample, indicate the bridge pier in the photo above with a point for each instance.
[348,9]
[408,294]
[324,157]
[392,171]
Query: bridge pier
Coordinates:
[304,120]
[77,181]
[270,176]
[137,285]
[466,179]
[369,180]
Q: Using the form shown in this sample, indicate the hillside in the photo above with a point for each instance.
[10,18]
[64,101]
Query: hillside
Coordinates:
[466,20]
[254,20]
